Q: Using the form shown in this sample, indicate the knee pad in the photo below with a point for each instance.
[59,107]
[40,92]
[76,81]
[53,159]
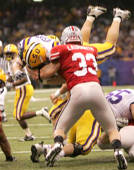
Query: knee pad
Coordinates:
[78,149]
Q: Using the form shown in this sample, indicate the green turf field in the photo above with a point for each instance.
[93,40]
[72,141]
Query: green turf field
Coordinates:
[42,130]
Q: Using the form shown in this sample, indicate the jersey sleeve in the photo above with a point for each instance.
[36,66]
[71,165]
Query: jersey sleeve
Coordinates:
[55,53]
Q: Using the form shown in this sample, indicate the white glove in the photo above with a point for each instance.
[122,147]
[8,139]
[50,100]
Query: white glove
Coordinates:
[121,122]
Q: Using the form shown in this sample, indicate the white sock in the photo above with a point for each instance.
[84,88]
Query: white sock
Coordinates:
[28,132]
[90,18]
[118,19]
[38,113]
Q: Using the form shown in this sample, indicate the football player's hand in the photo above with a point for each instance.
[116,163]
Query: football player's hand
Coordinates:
[10,79]
[53,98]
[34,74]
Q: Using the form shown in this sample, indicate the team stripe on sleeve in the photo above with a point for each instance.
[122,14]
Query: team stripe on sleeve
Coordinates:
[55,56]
[56,111]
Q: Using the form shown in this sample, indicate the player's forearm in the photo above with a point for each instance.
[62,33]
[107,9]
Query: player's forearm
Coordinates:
[48,71]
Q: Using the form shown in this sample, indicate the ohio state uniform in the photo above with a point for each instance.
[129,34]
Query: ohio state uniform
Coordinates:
[78,63]
[78,66]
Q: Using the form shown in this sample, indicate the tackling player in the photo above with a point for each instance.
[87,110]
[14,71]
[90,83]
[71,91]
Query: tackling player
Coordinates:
[81,137]
[77,64]
[24,90]
[105,50]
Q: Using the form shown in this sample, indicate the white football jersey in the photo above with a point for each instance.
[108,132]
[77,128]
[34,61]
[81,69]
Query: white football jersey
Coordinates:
[47,42]
[120,101]
[3,92]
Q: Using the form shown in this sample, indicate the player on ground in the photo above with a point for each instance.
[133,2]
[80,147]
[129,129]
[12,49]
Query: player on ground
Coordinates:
[77,64]
[122,104]
[4,144]
[24,90]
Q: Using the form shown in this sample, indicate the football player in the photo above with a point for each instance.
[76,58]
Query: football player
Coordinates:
[122,104]
[77,65]
[24,90]
[39,48]
[81,137]
[4,144]
[3,92]
[105,50]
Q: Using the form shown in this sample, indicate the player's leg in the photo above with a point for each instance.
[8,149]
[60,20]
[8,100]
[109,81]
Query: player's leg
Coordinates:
[92,13]
[28,92]
[127,140]
[113,31]
[5,146]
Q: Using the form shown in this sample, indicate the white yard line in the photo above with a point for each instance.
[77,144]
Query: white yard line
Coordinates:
[25,152]
[12,125]
[36,137]
[36,91]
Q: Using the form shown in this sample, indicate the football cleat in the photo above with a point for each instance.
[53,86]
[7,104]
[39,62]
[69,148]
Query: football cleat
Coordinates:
[123,14]
[45,113]
[121,160]
[95,11]
[10,159]
[27,138]
[37,150]
[51,156]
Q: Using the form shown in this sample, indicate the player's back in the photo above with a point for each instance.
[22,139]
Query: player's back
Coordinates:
[78,63]
[120,101]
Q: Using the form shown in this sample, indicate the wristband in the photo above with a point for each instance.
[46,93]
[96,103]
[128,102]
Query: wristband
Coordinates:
[57,93]
[39,76]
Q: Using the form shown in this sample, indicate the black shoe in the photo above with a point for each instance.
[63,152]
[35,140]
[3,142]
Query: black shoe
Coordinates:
[10,159]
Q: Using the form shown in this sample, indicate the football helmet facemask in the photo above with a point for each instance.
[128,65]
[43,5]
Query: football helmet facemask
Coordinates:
[34,55]
[10,51]
[71,34]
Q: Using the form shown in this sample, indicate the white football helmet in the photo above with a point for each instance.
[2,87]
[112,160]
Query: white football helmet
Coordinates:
[71,34]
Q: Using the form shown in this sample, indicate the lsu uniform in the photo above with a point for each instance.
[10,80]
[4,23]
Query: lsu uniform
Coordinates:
[24,92]
[105,50]
[47,41]
[85,131]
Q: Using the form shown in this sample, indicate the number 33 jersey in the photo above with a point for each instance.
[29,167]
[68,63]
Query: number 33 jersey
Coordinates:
[120,101]
[77,63]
